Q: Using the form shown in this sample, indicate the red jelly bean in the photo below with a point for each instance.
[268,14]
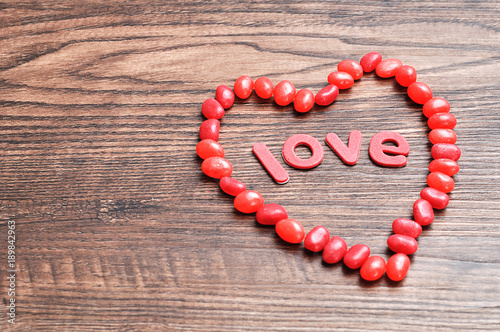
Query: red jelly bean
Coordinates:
[284,93]
[341,79]
[351,67]
[435,105]
[350,154]
[264,87]
[270,214]
[243,87]
[402,243]
[370,61]
[445,151]
[438,199]
[373,268]
[446,166]
[388,67]
[327,95]
[317,239]
[312,143]
[209,129]
[442,121]
[248,201]
[423,212]
[232,186]
[334,250]
[397,267]
[442,136]
[225,96]
[406,227]
[379,152]
[304,101]
[441,182]
[270,163]
[406,75]
[209,148]
[211,109]
[419,92]
[216,167]
[290,230]
[356,256]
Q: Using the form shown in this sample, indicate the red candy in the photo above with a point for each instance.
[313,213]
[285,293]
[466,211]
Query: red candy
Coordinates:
[388,67]
[351,67]
[243,87]
[270,214]
[231,186]
[264,87]
[423,212]
[327,95]
[397,267]
[438,199]
[442,136]
[284,93]
[301,139]
[334,250]
[446,151]
[406,227]
[290,230]
[270,163]
[406,75]
[216,167]
[446,166]
[350,154]
[379,152]
[419,92]
[211,109]
[373,268]
[341,79]
[356,256]
[441,182]
[435,105]
[442,121]
[209,148]
[225,96]
[402,243]
[317,239]
[248,201]
[304,101]
[209,129]
[370,61]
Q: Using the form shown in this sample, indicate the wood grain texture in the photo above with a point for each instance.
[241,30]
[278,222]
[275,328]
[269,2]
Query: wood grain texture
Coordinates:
[117,227]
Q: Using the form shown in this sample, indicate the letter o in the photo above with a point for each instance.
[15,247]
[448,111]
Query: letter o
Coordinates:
[302,139]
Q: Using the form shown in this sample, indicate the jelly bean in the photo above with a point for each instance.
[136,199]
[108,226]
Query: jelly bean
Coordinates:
[446,166]
[209,129]
[317,239]
[264,87]
[441,182]
[435,105]
[370,61]
[388,67]
[397,267]
[406,75]
[402,243]
[284,93]
[446,151]
[406,227]
[423,212]
[341,79]
[225,96]
[327,95]
[243,87]
[438,199]
[209,148]
[232,186]
[248,201]
[442,121]
[304,101]
[216,167]
[290,230]
[302,139]
[351,67]
[442,136]
[334,250]
[270,163]
[419,92]
[348,154]
[356,256]
[270,214]
[379,152]
[211,109]
[373,268]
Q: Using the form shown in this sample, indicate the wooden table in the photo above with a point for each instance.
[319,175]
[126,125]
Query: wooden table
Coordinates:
[116,226]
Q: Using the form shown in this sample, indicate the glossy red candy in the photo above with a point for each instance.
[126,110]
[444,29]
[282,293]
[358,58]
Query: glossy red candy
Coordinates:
[402,243]
[264,87]
[442,136]
[334,250]
[356,256]
[341,79]
[216,167]
[327,95]
[211,109]
[225,96]
[442,121]
[446,151]
[312,143]
[209,129]
[407,227]
[419,92]
[438,199]
[317,239]
[388,67]
[351,67]
[304,101]
[441,182]
[284,93]
[248,201]
[290,230]
[232,186]
[446,166]
[370,61]
[435,105]
[270,214]
[209,148]
[243,87]
[423,212]
[397,267]
[373,268]
[406,75]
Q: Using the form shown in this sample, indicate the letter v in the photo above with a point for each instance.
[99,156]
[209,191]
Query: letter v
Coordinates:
[348,155]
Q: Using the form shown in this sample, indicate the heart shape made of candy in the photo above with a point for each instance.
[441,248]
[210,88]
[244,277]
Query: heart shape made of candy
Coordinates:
[403,242]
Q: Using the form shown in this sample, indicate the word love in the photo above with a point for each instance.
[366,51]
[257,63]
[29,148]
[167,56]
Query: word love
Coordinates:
[381,154]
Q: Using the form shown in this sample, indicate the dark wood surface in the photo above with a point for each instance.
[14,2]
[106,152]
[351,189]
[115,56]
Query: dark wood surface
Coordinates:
[118,229]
